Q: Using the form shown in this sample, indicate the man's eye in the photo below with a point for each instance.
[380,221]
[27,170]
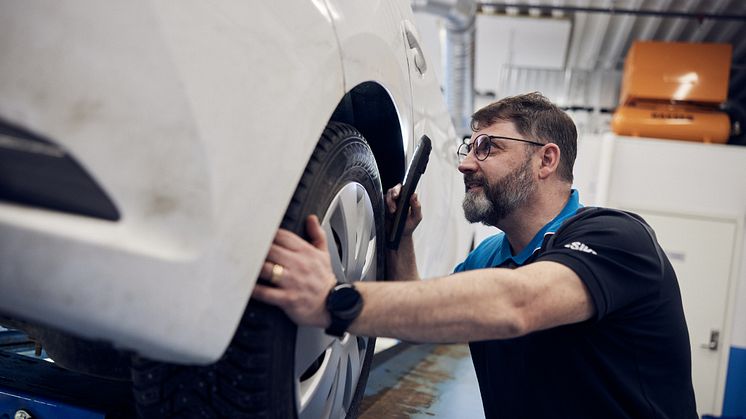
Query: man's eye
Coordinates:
[497,145]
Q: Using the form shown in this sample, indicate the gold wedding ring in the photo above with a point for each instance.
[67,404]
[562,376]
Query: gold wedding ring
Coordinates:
[277,271]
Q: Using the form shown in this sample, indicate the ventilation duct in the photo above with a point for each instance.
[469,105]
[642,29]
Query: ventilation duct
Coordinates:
[457,54]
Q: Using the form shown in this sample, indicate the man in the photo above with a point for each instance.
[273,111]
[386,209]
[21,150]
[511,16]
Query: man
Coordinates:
[570,313]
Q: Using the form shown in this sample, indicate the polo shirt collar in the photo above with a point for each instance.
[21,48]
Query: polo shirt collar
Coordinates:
[504,254]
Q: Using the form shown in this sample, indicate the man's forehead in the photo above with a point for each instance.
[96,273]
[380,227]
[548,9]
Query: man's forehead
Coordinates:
[499,128]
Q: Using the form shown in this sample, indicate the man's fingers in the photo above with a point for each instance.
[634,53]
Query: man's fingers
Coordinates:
[289,240]
[316,233]
[415,208]
[391,196]
[269,295]
[266,272]
[395,191]
[281,255]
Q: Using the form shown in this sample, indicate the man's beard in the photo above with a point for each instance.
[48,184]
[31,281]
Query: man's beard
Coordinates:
[497,201]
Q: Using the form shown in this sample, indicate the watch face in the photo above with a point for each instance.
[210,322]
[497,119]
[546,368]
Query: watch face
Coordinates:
[344,301]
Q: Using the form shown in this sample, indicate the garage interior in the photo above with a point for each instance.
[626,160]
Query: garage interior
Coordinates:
[574,52]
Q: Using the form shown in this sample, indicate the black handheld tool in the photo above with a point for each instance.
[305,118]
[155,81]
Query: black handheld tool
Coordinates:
[414,171]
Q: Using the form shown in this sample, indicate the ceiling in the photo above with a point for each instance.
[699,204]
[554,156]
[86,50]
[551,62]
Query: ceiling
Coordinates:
[603,30]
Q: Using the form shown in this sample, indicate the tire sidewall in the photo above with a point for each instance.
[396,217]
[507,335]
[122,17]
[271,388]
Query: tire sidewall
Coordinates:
[342,157]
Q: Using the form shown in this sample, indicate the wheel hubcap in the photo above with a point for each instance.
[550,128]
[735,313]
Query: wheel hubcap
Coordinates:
[327,369]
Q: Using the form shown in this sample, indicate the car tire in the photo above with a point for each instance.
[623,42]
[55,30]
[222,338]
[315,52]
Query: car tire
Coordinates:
[273,369]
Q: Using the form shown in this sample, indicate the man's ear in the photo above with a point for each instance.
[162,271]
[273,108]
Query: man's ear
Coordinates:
[550,157]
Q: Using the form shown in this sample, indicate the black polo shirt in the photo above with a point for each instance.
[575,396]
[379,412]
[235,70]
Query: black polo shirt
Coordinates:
[631,360]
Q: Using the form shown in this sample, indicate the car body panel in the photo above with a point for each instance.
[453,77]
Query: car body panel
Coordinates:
[184,143]
[441,190]
[197,118]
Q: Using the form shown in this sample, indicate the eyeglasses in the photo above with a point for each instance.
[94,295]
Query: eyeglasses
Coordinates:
[482,146]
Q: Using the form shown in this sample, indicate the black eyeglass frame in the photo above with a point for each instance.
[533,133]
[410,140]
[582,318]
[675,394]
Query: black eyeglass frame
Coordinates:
[490,138]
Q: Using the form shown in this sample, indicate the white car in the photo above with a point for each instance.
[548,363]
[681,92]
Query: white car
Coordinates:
[150,149]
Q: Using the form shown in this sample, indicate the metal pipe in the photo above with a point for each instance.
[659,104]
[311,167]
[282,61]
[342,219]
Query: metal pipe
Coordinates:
[457,56]
[615,11]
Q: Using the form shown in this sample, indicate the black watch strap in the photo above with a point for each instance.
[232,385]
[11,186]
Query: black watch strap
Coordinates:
[338,327]
[344,303]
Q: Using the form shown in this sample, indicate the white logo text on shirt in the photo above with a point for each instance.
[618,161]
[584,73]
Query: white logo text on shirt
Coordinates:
[580,246]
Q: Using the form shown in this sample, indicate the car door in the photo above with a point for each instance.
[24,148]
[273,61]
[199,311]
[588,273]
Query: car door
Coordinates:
[441,190]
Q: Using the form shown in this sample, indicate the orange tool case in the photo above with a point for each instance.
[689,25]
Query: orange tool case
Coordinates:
[674,90]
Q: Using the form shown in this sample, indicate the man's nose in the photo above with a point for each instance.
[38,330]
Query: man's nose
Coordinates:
[468,164]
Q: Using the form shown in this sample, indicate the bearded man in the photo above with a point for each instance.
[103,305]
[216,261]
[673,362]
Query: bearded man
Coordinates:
[570,312]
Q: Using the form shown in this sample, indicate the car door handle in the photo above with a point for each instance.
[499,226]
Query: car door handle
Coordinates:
[419,58]
[714,340]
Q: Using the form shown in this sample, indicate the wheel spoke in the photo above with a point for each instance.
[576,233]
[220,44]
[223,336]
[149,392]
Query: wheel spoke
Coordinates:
[337,266]
[311,343]
[340,232]
[338,398]
[353,354]
[351,224]
[319,395]
[368,269]
[348,202]
[354,366]
[364,232]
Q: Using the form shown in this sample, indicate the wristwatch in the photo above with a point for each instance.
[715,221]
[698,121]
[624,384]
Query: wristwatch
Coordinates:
[344,303]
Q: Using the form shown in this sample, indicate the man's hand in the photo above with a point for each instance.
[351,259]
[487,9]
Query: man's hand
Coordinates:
[401,264]
[415,210]
[305,278]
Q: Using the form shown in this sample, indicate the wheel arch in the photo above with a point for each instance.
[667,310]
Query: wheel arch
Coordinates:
[369,108]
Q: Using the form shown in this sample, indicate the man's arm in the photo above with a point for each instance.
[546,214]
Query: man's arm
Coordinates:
[468,306]
[401,264]
[475,305]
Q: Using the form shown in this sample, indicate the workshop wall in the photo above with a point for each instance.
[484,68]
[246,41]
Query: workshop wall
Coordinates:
[682,177]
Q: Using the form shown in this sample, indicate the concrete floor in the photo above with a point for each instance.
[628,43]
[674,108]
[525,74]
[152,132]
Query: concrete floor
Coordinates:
[422,381]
